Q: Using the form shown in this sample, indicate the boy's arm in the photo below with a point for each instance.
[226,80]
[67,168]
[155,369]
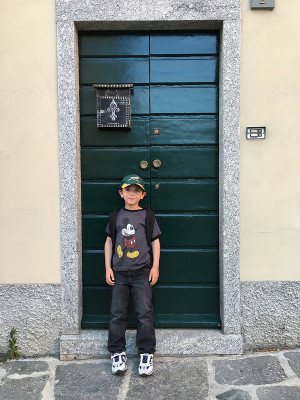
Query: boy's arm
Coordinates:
[154,272]
[109,274]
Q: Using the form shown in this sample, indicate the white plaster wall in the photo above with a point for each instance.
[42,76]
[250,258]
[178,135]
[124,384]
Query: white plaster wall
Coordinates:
[270,96]
[29,178]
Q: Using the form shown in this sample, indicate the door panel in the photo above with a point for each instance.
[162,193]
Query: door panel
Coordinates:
[93,236]
[183,43]
[91,44]
[175,89]
[185,70]
[114,70]
[184,162]
[95,162]
[189,129]
[183,100]
[92,136]
[191,195]
[189,230]
[201,264]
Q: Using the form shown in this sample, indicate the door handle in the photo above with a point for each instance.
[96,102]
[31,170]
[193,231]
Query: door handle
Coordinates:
[144,164]
[156,163]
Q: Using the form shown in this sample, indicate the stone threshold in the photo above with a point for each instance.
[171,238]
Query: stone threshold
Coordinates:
[90,344]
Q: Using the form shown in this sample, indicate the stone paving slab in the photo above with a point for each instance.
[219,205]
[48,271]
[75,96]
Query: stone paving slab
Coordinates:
[95,381]
[24,367]
[86,381]
[279,393]
[256,376]
[293,358]
[260,370]
[23,389]
[234,394]
[172,379]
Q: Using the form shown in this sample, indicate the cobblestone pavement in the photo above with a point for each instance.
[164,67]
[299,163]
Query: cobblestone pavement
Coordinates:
[258,376]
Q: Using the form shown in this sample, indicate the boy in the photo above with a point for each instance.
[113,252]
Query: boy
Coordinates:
[129,269]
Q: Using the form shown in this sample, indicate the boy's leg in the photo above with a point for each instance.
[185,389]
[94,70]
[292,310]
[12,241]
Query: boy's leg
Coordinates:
[142,298]
[119,308]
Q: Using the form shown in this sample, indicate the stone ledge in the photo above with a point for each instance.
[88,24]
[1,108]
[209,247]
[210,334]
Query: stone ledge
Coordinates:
[170,342]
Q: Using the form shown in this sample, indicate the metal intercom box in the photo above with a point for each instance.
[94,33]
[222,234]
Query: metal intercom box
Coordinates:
[268,5]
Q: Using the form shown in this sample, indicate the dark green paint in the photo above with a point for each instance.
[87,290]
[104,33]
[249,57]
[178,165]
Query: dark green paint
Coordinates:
[189,230]
[185,162]
[114,70]
[183,43]
[184,70]
[109,163]
[92,136]
[183,99]
[92,44]
[184,195]
[190,129]
[93,236]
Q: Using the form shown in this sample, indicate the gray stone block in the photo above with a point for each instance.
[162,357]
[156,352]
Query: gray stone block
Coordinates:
[35,311]
[270,314]
[279,393]
[261,370]
[23,389]
[294,361]
[234,394]
[93,343]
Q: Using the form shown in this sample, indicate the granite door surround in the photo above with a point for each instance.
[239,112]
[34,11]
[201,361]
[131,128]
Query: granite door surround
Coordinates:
[224,15]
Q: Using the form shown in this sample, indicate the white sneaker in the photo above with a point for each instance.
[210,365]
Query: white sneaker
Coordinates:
[146,364]
[118,363]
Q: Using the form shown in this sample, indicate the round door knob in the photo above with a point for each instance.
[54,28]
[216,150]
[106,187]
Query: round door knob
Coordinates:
[144,164]
[156,163]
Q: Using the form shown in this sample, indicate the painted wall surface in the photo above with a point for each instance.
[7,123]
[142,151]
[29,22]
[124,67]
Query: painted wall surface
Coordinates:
[29,183]
[270,96]
[29,178]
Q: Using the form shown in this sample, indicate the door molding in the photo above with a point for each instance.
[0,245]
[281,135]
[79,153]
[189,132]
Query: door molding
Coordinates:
[70,18]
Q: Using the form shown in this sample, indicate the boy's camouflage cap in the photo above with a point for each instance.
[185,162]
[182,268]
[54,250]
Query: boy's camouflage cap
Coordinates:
[132,180]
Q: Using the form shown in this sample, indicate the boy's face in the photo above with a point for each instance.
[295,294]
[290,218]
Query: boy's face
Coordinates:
[132,195]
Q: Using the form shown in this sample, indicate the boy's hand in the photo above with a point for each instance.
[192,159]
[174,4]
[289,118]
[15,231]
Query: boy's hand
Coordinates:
[110,278]
[153,276]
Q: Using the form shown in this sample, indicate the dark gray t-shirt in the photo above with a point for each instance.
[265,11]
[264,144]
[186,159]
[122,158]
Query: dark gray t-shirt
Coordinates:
[131,250]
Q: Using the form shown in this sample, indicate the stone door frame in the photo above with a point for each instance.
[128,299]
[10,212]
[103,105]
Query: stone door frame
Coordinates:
[172,15]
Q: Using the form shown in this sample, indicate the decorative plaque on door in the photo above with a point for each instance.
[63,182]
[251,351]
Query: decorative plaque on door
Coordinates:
[113,106]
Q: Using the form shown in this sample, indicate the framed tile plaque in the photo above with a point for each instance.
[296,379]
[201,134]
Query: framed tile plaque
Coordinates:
[113,106]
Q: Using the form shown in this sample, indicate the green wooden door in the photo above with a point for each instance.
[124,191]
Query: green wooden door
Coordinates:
[175,89]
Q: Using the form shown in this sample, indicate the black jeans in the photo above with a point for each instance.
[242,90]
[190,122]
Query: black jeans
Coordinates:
[137,284]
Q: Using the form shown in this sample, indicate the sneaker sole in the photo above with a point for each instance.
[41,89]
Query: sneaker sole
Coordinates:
[119,372]
[144,374]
